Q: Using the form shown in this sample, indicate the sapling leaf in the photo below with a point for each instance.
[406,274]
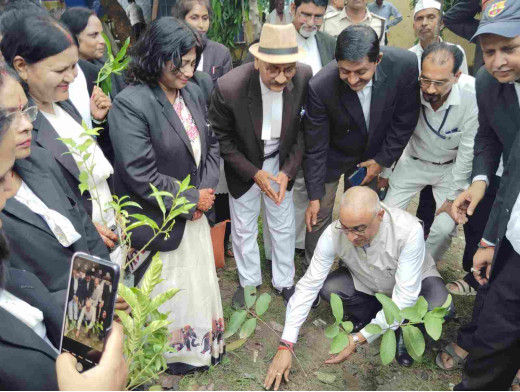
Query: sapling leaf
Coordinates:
[262,304]
[337,307]
[135,225]
[373,329]
[237,319]
[83,177]
[389,308]
[185,183]
[158,198]
[143,218]
[152,275]
[414,341]
[410,314]
[332,331]
[247,328]
[122,52]
[347,326]
[234,345]
[162,298]
[83,188]
[130,204]
[339,343]
[433,325]
[447,303]
[439,312]
[388,347]
[422,306]
[250,295]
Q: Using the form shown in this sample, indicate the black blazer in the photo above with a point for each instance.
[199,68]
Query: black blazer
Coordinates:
[205,83]
[28,362]
[33,245]
[217,59]
[326,47]
[90,71]
[152,146]
[45,136]
[235,115]
[499,122]
[336,138]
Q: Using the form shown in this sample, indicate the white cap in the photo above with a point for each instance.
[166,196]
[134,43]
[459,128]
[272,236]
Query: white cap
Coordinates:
[425,4]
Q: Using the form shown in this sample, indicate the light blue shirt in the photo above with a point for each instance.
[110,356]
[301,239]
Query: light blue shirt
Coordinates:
[386,11]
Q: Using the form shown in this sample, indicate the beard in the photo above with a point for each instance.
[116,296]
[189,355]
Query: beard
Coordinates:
[431,98]
[4,255]
[307,34]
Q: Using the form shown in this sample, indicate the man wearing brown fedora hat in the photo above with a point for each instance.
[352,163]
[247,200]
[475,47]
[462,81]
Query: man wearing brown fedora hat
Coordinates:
[255,112]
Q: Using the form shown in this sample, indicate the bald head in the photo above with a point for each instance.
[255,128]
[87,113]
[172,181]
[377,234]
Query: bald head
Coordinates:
[361,200]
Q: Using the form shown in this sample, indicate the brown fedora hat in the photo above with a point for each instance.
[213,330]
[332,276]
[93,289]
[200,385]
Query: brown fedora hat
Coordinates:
[277,45]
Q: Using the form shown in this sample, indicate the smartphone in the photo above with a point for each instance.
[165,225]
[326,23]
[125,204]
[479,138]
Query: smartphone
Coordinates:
[89,309]
[358,176]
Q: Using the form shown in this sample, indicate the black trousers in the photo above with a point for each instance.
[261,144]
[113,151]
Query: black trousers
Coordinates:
[426,208]
[494,355]
[361,307]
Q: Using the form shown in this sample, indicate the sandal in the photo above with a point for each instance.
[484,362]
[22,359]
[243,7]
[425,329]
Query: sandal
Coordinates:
[515,383]
[463,288]
[458,361]
[229,250]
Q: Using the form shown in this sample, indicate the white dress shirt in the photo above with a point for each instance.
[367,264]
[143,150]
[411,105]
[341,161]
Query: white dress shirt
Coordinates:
[87,315]
[312,57]
[418,50]
[61,227]
[413,265]
[272,110]
[274,18]
[27,314]
[78,95]
[449,133]
[513,226]
[200,67]
[365,98]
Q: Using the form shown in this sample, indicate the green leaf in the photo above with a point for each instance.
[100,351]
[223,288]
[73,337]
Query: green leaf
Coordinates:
[152,276]
[158,198]
[106,86]
[156,387]
[390,309]
[337,307]
[439,313]
[122,52]
[433,326]
[83,177]
[234,345]
[83,187]
[184,184]
[130,204]
[68,141]
[422,306]
[247,328]
[143,218]
[339,343]
[388,347]
[154,326]
[411,314]
[109,47]
[262,304]
[332,331]
[127,295]
[447,303]
[135,225]
[374,329]
[347,326]
[162,298]
[414,341]
[237,319]
[250,295]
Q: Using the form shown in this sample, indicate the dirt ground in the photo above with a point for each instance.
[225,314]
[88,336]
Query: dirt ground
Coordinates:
[363,371]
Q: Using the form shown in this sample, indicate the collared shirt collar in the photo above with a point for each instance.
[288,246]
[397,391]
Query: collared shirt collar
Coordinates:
[453,99]
[344,15]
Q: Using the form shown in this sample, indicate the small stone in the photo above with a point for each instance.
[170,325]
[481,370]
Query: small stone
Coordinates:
[325,377]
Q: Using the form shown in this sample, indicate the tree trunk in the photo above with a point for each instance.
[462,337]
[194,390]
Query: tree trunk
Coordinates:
[254,18]
[119,23]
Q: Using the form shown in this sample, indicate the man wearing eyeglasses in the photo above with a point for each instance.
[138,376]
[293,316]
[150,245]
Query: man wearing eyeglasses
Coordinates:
[440,151]
[255,112]
[381,251]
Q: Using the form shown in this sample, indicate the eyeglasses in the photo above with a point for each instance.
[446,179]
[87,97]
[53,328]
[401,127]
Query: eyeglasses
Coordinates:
[358,230]
[426,83]
[183,68]
[306,17]
[30,113]
[273,72]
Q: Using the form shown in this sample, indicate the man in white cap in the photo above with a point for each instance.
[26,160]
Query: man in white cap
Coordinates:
[255,112]
[427,24]
[354,13]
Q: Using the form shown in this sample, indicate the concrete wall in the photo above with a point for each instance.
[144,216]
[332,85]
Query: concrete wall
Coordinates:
[403,36]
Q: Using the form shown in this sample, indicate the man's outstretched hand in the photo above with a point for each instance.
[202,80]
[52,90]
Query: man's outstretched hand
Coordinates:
[281,366]
[467,201]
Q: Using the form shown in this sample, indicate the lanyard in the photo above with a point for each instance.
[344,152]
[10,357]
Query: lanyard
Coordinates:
[438,133]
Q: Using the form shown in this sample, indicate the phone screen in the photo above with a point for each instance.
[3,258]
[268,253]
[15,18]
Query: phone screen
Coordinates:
[358,176]
[90,308]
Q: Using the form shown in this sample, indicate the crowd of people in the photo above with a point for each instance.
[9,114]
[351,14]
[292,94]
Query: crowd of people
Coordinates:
[321,97]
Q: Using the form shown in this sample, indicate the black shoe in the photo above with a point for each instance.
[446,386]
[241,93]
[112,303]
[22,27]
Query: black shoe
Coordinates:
[239,301]
[316,302]
[402,356]
[286,293]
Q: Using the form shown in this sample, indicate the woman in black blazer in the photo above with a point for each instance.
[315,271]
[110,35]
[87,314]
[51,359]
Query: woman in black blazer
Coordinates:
[216,58]
[35,247]
[44,55]
[160,136]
